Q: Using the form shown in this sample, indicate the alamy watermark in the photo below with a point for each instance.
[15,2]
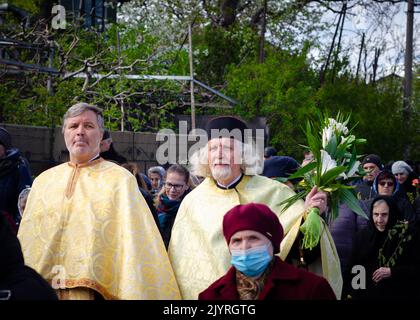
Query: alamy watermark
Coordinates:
[358,282]
[59,280]
[59,17]
[174,148]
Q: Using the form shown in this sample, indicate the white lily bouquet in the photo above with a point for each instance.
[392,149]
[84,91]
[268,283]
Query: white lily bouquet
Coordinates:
[333,169]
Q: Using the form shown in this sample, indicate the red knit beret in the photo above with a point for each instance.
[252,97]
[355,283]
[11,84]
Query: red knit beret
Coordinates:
[253,216]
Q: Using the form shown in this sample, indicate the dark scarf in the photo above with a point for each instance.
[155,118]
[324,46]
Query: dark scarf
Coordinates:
[166,209]
[376,238]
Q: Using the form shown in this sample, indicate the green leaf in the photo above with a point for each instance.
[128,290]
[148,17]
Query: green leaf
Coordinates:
[331,147]
[303,170]
[350,199]
[290,201]
[331,175]
[311,229]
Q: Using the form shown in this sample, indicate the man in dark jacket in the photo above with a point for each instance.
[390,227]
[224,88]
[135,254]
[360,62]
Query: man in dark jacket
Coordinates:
[14,175]
[17,281]
[107,150]
[372,165]
[253,233]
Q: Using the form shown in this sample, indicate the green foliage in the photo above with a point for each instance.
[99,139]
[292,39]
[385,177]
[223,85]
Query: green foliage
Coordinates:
[30,6]
[147,106]
[287,91]
[281,89]
[216,48]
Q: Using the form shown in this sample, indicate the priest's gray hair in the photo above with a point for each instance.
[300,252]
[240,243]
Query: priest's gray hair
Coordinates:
[81,107]
[251,163]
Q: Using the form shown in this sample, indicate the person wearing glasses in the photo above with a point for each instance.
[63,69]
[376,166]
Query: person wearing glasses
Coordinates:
[386,184]
[169,199]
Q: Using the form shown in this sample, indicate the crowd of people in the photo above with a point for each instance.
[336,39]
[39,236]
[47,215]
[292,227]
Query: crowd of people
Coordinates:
[97,227]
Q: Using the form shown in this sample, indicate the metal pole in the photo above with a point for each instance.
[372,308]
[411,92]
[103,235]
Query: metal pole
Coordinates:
[50,64]
[192,78]
[119,71]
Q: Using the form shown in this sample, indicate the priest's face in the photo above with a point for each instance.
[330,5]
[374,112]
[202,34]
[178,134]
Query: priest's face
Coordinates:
[224,159]
[82,136]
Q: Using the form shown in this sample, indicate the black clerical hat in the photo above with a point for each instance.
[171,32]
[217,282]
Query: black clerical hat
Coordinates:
[226,126]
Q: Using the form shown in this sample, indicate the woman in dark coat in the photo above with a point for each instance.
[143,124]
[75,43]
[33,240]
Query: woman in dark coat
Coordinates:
[169,198]
[253,233]
[388,250]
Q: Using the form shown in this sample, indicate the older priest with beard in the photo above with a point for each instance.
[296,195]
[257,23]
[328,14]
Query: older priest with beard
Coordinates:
[197,248]
[87,228]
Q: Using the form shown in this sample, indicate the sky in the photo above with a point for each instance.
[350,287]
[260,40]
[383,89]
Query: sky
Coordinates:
[389,36]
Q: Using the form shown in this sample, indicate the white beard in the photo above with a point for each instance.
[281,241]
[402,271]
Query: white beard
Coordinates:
[221,173]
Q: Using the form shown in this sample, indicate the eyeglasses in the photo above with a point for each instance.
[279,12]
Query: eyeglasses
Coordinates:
[386,183]
[177,187]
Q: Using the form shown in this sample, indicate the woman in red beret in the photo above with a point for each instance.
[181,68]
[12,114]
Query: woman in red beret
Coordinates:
[253,234]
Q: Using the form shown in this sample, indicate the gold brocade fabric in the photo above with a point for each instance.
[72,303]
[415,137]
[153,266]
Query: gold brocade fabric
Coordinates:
[89,226]
[198,249]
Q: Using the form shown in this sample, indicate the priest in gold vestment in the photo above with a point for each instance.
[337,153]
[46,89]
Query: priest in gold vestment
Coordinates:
[86,227]
[197,248]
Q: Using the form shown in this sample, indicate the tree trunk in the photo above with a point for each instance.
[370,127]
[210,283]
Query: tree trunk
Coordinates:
[360,56]
[324,70]
[337,52]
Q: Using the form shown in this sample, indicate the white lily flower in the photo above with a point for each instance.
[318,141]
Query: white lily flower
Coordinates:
[338,126]
[327,162]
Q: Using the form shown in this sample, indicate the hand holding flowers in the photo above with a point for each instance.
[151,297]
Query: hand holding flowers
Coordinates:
[334,167]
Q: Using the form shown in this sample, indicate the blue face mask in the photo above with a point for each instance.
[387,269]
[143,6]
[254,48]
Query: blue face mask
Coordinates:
[251,262]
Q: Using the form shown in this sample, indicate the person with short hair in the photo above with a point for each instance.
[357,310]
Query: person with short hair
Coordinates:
[253,234]
[108,151]
[87,228]
[372,165]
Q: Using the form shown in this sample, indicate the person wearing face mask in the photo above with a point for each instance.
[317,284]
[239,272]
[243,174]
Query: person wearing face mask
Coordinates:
[253,233]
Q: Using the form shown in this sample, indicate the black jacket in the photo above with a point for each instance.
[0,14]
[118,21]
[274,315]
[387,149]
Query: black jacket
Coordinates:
[404,280]
[17,281]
